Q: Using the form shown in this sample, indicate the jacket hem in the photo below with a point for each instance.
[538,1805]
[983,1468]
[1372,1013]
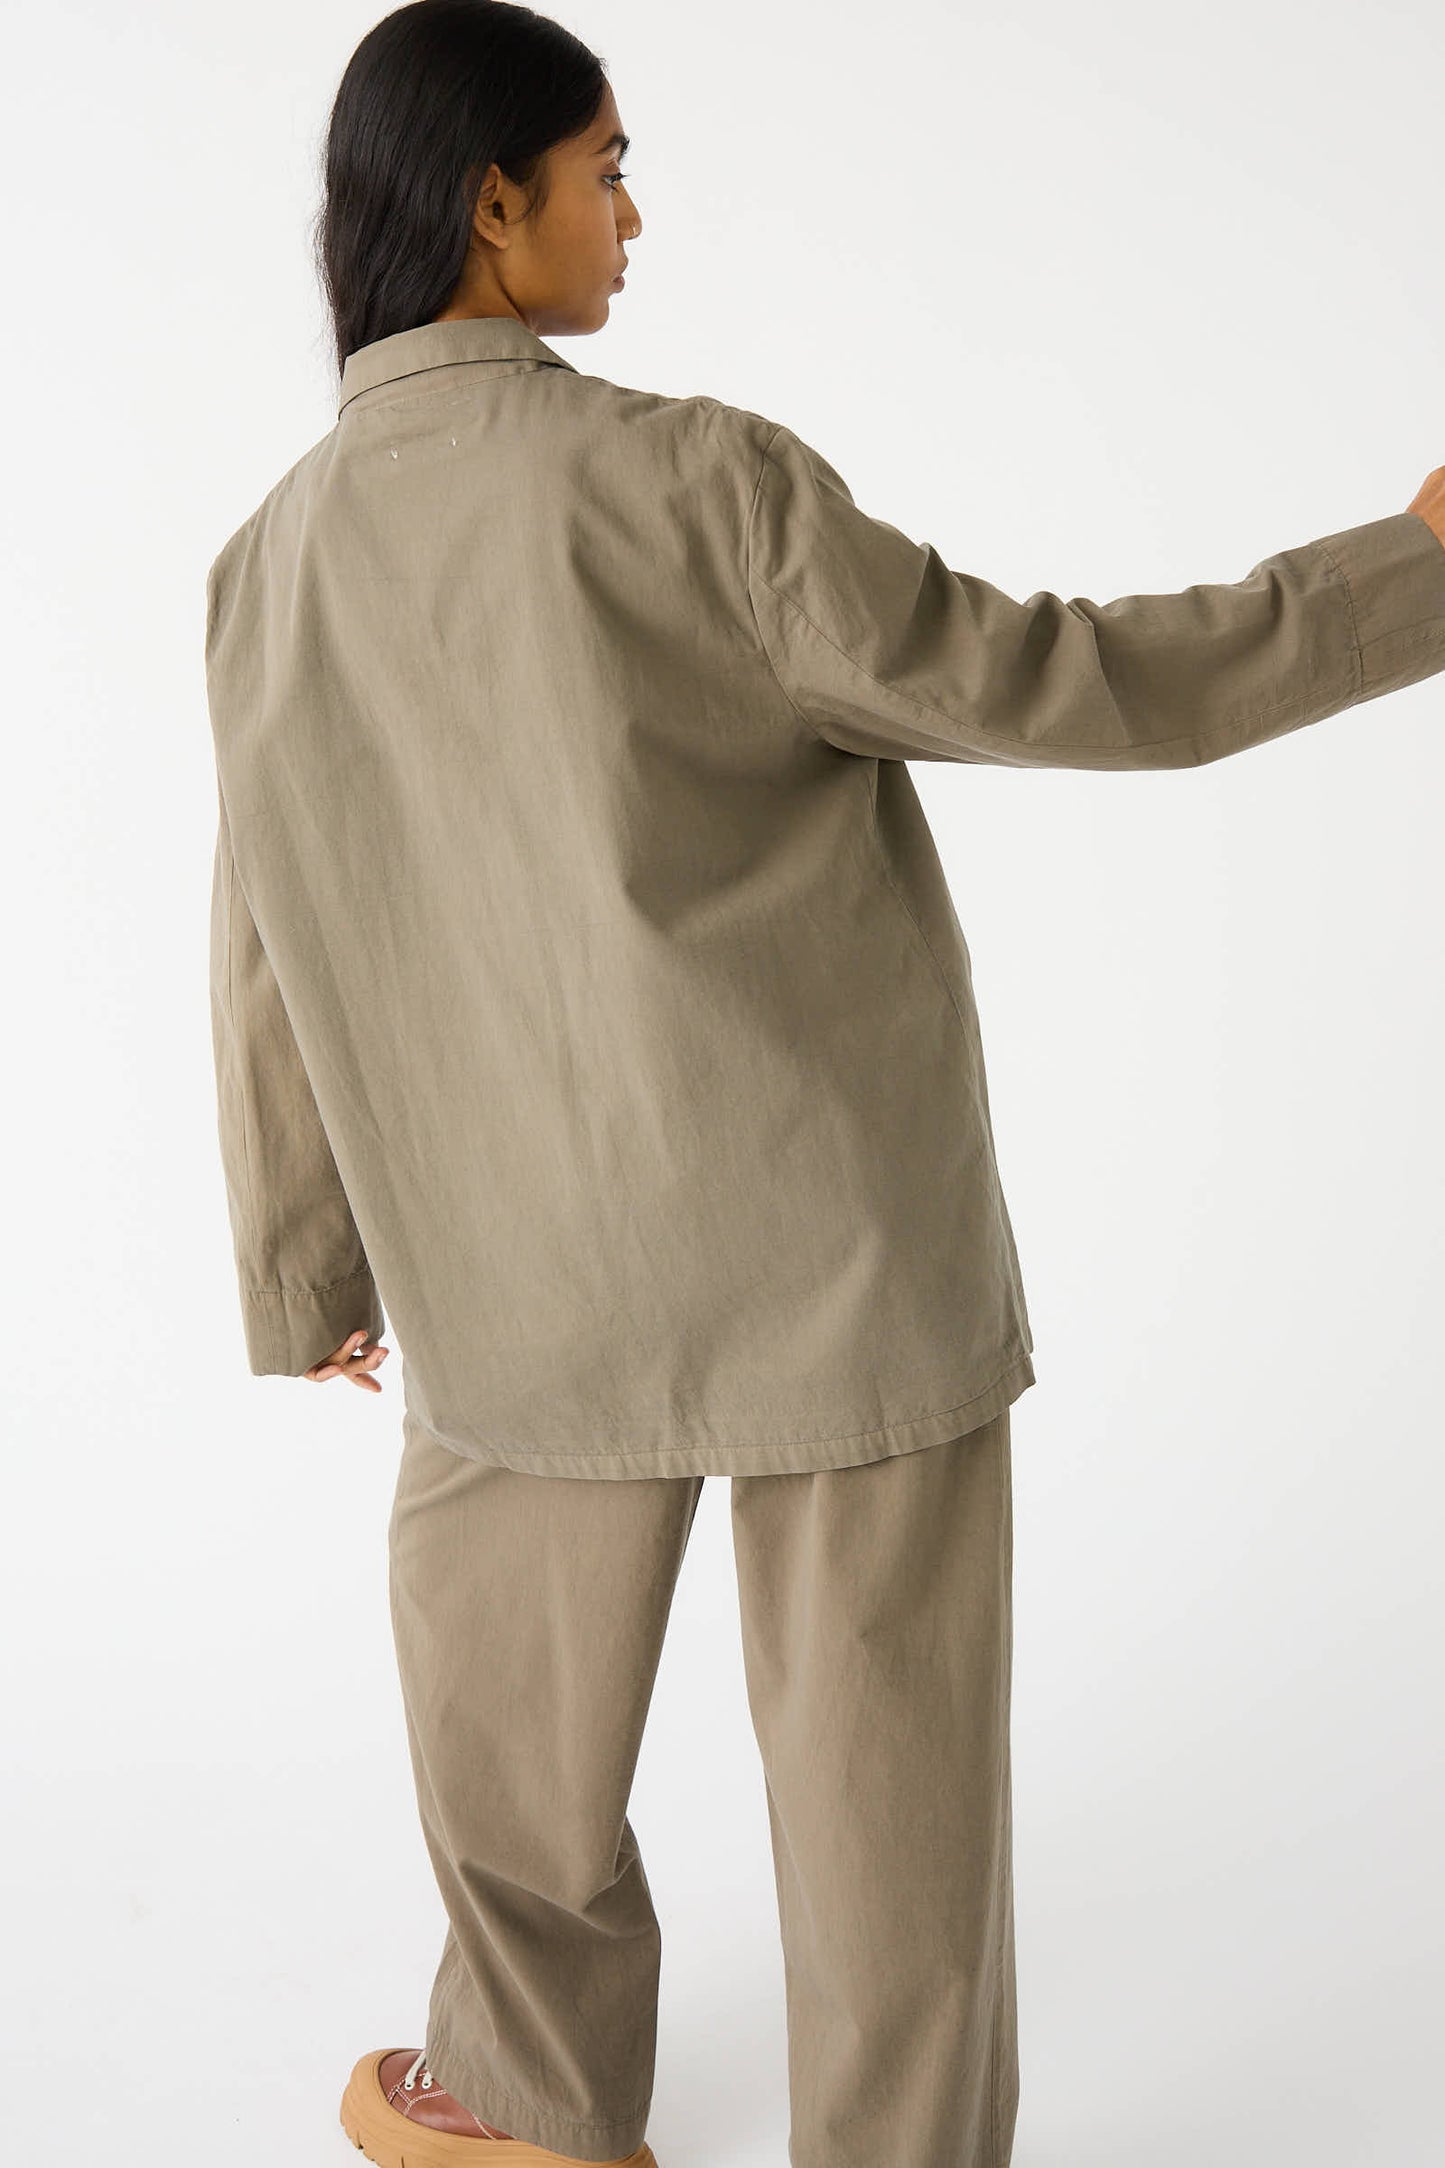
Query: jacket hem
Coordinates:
[779,1456]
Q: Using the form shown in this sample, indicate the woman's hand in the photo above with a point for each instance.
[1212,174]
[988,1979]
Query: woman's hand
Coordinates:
[1429,503]
[356,1358]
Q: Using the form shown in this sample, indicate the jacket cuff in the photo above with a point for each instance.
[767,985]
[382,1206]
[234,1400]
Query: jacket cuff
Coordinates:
[290,1328]
[1394,572]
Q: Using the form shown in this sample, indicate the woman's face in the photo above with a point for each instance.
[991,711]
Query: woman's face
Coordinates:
[556,270]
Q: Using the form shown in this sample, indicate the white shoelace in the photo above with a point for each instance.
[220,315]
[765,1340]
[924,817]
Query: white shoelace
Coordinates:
[418,2063]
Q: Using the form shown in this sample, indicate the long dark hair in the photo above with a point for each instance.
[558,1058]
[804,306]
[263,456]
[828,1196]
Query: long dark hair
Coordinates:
[435,93]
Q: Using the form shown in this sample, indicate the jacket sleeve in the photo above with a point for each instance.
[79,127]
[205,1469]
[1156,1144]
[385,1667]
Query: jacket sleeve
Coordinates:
[305,1282]
[885,651]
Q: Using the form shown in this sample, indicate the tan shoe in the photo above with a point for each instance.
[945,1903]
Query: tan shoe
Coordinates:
[395,2112]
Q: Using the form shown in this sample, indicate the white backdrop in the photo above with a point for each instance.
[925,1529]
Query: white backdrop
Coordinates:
[1104,301]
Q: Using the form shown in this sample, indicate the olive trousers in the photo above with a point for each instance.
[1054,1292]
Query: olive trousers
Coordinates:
[876,1615]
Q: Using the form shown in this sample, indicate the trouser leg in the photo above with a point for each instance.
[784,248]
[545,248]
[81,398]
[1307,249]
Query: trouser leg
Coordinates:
[529,1614]
[877,1635]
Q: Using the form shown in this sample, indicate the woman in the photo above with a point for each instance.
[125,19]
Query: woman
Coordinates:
[586,984]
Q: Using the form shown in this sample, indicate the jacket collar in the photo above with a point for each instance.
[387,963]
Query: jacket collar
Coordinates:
[437,346]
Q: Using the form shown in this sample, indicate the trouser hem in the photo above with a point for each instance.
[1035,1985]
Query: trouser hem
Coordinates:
[616,2135]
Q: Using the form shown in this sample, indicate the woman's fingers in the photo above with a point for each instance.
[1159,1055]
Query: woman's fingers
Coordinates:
[367,1359]
[353,1359]
[332,1365]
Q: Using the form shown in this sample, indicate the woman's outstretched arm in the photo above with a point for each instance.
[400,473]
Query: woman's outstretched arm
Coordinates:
[886,651]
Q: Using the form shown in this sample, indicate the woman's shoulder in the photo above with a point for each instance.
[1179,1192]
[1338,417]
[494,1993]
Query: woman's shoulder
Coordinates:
[243,537]
[713,426]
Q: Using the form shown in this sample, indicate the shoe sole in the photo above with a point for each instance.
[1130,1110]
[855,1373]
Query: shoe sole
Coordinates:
[392,2140]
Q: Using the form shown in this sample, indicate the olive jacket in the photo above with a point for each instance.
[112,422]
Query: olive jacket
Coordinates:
[585,984]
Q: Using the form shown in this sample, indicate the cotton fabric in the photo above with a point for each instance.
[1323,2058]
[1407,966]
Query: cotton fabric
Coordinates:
[876,1612]
[585,985]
